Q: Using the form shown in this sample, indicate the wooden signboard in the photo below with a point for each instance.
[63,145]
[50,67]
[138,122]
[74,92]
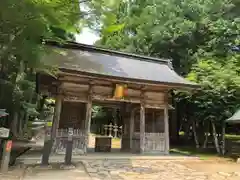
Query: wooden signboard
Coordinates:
[4,132]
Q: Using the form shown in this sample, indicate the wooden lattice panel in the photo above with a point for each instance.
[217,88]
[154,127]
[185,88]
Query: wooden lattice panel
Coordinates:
[72,115]
[154,142]
[79,141]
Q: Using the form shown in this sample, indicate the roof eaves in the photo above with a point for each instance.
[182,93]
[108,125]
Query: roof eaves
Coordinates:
[133,80]
[91,48]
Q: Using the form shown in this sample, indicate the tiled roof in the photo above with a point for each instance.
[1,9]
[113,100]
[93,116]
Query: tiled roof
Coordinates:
[93,60]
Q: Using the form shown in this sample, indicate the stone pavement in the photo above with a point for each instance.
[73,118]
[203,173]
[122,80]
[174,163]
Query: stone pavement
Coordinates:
[56,172]
[128,169]
[150,170]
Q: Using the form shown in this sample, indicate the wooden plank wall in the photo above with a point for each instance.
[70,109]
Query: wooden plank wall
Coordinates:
[74,91]
[154,132]
[72,115]
[154,121]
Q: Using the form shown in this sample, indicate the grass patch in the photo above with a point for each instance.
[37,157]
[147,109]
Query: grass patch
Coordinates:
[203,154]
[232,137]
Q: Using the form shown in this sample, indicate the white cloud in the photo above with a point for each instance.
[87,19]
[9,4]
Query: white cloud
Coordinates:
[87,36]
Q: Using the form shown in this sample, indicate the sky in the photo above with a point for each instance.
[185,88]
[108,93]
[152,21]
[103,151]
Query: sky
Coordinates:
[87,36]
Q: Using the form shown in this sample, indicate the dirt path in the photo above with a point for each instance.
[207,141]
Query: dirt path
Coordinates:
[213,167]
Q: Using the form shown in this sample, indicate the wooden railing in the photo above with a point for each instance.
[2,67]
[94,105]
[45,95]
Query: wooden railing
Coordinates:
[79,141]
[154,142]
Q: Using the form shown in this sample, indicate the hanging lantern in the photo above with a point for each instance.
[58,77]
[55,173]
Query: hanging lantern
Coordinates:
[120,91]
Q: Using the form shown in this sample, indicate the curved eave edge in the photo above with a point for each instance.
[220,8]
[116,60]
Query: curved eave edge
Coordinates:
[235,118]
[233,121]
[91,48]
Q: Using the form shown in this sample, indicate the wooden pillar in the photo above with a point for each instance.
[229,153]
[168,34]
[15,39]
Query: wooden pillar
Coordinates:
[131,128]
[153,121]
[173,122]
[142,126]
[57,114]
[49,139]
[88,117]
[166,129]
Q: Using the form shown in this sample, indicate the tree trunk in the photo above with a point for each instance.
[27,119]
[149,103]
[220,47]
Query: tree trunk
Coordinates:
[206,137]
[215,138]
[188,133]
[195,134]
[20,124]
[223,138]
[14,124]
[27,114]
[19,76]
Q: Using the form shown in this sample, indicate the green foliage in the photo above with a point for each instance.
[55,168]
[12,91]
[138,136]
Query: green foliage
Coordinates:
[197,36]
[23,27]
[98,112]
[180,30]
[219,95]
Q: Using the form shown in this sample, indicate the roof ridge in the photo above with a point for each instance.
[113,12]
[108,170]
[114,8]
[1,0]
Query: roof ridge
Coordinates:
[75,45]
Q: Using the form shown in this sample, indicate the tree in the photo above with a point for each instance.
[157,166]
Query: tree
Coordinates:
[179,30]
[198,36]
[24,28]
[219,95]
[23,25]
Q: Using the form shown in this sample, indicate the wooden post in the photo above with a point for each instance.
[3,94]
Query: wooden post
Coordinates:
[47,146]
[166,129]
[88,117]
[69,148]
[50,138]
[142,128]
[131,128]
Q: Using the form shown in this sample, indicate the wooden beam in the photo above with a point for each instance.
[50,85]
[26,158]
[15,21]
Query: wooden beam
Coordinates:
[115,80]
[71,98]
[103,82]
[83,80]
[102,98]
[142,123]
[107,104]
[66,85]
[149,106]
